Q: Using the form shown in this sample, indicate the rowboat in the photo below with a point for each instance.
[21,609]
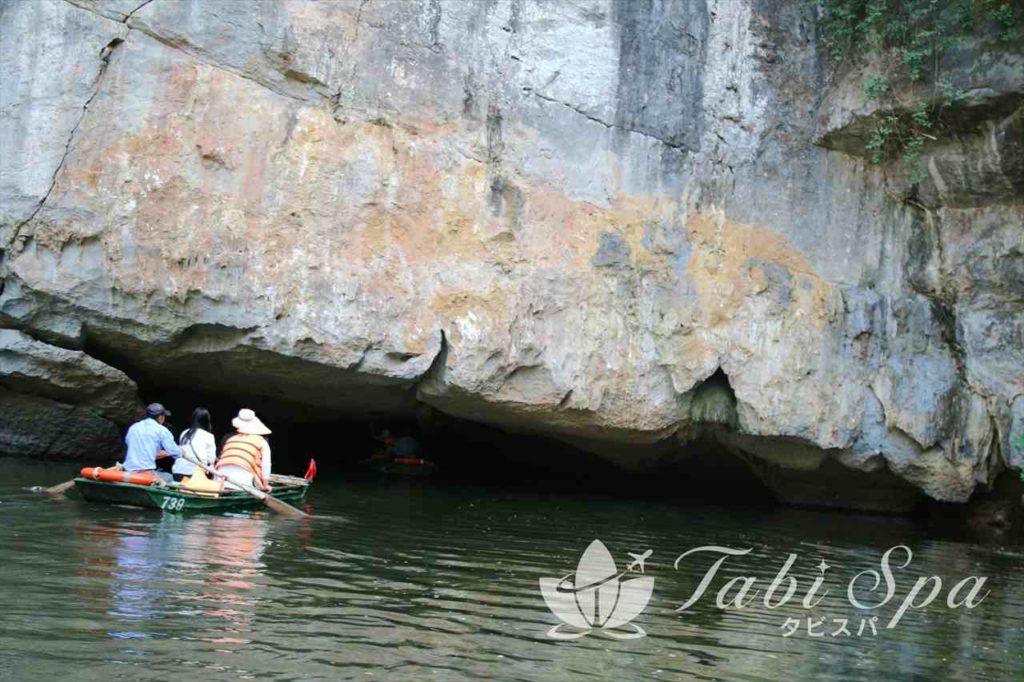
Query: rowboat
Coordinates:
[401,466]
[172,498]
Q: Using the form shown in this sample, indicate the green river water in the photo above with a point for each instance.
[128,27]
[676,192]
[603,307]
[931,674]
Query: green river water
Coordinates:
[439,581]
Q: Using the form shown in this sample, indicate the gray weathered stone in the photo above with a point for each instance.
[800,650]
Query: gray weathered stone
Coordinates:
[558,217]
[51,55]
[59,402]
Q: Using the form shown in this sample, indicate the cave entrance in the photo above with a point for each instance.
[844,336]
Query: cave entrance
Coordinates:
[469,452]
[710,461]
[334,415]
[713,404]
[702,464]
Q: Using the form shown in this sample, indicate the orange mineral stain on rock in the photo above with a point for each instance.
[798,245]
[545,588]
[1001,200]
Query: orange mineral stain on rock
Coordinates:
[728,267]
[467,315]
[286,201]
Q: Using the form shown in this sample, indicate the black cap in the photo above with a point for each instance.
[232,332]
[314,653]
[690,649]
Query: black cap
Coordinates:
[156,409]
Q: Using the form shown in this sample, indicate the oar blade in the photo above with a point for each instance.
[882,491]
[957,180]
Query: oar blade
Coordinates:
[60,488]
[282,507]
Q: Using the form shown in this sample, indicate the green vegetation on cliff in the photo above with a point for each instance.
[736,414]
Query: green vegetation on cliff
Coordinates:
[909,38]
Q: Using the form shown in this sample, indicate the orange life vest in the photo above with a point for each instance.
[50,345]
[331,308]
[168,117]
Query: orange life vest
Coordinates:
[245,451]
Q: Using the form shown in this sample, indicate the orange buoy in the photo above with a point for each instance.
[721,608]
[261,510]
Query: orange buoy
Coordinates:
[119,475]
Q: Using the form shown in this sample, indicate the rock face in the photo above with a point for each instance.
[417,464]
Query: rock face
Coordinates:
[559,217]
[58,402]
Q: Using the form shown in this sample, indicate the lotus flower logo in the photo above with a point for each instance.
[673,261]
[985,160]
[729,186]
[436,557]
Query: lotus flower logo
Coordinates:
[598,596]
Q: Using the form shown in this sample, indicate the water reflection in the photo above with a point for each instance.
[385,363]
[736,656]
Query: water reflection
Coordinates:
[134,595]
[156,571]
[442,583]
[205,567]
[227,553]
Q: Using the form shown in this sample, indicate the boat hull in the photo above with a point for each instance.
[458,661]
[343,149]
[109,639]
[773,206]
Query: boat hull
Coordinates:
[177,501]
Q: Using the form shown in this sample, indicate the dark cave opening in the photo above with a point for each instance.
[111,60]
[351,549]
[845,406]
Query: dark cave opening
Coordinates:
[335,418]
[314,416]
[470,452]
[713,405]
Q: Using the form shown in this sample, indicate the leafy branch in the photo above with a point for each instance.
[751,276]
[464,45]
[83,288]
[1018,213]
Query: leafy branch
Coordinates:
[909,37]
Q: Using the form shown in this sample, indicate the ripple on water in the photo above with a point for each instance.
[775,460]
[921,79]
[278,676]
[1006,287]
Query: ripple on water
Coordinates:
[412,582]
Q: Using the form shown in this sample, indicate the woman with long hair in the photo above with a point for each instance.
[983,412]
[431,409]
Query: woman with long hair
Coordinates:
[197,444]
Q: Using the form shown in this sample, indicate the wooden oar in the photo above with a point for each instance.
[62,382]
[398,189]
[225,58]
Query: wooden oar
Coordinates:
[58,489]
[287,480]
[271,502]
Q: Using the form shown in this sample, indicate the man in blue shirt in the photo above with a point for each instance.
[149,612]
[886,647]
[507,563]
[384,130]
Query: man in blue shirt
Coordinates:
[146,438]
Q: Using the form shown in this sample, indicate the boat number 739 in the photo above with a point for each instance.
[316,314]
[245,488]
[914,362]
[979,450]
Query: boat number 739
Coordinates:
[173,503]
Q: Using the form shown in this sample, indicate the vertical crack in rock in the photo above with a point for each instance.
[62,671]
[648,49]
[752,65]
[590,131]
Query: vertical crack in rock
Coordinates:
[564,402]
[435,372]
[350,81]
[434,29]
[105,55]
[358,364]
[927,256]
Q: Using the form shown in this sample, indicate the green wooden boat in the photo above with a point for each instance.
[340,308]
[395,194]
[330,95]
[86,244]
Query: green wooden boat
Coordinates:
[171,499]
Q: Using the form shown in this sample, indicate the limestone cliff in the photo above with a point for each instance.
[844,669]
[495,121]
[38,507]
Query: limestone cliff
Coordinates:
[559,217]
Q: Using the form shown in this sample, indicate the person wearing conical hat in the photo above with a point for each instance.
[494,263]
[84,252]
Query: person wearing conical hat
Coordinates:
[245,454]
